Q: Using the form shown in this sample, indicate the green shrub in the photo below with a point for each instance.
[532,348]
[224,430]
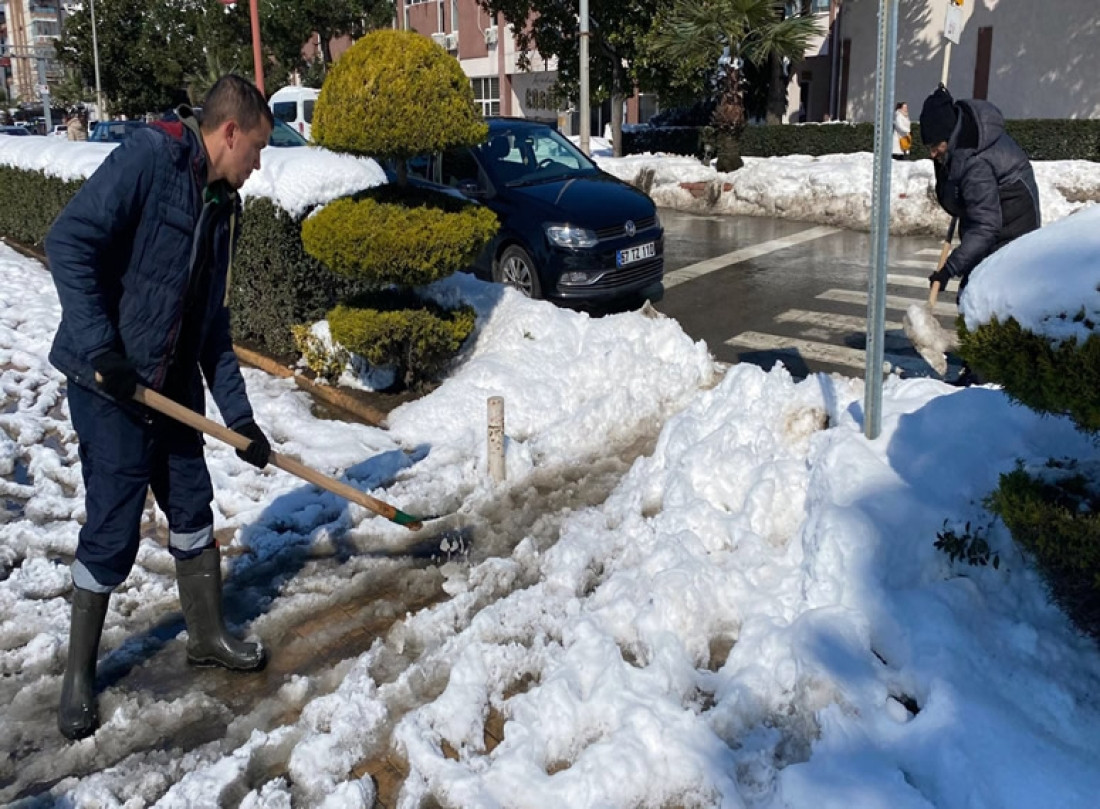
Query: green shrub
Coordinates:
[32,201]
[275,283]
[1058,378]
[1055,516]
[395,94]
[328,363]
[1042,139]
[383,243]
[398,329]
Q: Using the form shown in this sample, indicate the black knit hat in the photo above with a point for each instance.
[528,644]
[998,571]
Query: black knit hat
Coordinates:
[937,117]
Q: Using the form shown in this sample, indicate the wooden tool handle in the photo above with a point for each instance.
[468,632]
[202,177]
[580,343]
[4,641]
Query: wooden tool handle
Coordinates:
[189,417]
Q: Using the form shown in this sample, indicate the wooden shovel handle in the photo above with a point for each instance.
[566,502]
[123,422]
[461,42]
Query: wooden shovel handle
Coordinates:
[189,417]
[945,251]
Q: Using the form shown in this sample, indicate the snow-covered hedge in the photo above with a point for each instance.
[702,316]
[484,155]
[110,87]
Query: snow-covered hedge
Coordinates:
[275,284]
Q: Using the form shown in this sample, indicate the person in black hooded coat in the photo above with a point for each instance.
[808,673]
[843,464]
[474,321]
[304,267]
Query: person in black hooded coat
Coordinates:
[982,176]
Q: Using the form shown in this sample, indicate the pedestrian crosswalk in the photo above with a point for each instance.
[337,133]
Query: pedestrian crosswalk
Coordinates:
[835,334]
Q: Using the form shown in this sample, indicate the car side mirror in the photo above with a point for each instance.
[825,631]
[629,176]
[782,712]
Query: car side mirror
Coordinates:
[470,188]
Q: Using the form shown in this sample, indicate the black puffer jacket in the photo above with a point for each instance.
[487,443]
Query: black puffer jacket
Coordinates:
[986,180]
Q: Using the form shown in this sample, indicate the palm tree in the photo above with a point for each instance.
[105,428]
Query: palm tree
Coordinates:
[729,33]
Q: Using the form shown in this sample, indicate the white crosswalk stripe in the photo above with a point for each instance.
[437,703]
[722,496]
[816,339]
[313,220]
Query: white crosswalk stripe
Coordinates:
[906,280]
[683,274]
[823,352]
[895,302]
[834,338]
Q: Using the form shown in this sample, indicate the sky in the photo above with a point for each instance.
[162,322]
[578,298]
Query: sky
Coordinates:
[698,586]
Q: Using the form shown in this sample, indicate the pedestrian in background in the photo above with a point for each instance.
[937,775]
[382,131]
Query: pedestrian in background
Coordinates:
[76,128]
[140,258]
[903,140]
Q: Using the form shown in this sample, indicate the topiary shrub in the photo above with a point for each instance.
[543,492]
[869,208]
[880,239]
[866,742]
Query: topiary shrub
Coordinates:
[410,243]
[394,95]
[1058,378]
[416,337]
[1054,514]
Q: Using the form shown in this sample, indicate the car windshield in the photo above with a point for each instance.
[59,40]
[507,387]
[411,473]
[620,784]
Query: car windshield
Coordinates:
[529,155]
[282,134]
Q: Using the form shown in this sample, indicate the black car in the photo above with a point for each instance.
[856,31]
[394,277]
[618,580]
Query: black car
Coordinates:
[569,232]
[17,131]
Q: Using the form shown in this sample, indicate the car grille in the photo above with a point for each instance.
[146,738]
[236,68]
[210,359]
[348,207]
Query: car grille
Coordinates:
[640,273]
[617,231]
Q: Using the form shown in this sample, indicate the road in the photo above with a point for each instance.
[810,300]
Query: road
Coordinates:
[762,290]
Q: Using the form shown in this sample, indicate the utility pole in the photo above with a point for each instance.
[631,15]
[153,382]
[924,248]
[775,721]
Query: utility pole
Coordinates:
[585,113]
[100,110]
[257,50]
[880,215]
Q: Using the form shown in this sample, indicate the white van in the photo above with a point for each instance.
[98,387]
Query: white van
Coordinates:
[294,105]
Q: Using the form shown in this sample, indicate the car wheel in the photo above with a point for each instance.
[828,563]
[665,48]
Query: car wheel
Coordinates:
[516,269]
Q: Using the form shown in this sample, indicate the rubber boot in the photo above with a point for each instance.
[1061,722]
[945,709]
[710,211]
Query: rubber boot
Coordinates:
[78,715]
[209,644]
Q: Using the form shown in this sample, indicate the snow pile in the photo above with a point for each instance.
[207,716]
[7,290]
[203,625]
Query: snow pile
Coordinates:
[293,178]
[1049,281]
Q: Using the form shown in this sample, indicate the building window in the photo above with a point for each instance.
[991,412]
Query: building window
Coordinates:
[487,94]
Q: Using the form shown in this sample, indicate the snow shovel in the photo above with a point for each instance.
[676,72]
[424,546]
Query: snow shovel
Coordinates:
[166,406]
[932,340]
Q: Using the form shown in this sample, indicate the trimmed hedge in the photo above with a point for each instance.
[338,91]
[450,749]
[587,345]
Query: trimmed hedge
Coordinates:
[399,329]
[32,202]
[1058,378]
[398,236]
[1042,139]
[275,284]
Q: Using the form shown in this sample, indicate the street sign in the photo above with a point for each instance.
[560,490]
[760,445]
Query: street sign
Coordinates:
[43,89]
[953,24]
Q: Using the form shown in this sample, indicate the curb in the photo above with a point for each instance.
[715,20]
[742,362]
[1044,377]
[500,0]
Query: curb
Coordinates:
[328,394]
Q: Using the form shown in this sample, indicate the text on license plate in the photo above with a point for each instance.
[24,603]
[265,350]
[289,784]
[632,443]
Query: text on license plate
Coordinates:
[637,253]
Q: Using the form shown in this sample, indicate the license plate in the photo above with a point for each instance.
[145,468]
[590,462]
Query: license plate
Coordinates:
[632,254]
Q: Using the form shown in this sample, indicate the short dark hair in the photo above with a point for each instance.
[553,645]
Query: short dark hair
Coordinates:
[234,97]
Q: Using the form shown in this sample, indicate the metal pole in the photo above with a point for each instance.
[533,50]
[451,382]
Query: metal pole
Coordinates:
[100,112]
[257,51]
[880,215]
[44,91]
[585,113]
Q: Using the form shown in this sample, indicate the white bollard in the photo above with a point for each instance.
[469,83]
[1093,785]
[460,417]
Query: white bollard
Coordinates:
[496,438]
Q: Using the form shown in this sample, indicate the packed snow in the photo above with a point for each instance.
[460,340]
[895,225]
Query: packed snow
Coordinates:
[697,587]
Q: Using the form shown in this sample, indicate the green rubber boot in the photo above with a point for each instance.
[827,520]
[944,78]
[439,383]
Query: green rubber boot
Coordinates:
[78,715]
[209,644]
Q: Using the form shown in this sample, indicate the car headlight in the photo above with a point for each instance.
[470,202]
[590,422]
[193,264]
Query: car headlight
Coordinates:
[570,236]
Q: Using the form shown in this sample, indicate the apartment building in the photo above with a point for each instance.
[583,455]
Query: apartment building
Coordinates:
[1034,60]
[31,28]
[486,49]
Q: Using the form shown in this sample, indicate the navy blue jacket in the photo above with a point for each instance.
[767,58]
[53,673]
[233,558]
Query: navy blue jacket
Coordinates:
[987,181]
[122,254]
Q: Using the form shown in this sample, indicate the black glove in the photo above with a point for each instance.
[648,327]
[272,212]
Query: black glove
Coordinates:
[941,275]
[258,453]
[116,375]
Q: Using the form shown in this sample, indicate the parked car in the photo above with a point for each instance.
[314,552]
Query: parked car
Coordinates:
[283,135]
[569,232]
[14,130]
[294,105]
[114,131]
